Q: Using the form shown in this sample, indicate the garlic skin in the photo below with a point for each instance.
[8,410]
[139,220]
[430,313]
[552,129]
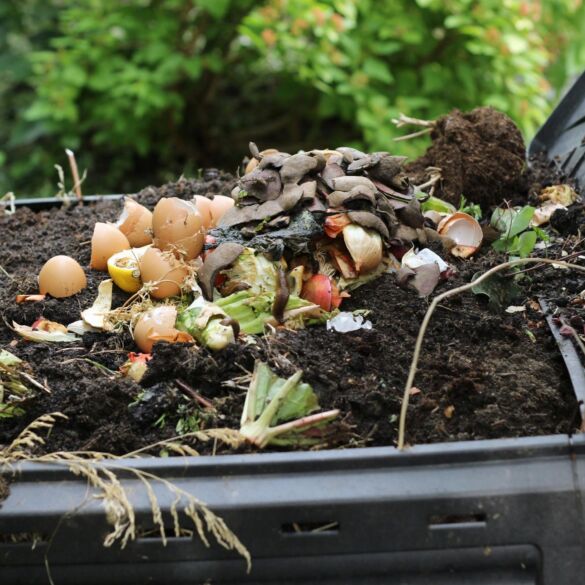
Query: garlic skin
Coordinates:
[178,227]
[158,324]
[107,240]
[364,246]
[61,276]
[135,223]
[163,270]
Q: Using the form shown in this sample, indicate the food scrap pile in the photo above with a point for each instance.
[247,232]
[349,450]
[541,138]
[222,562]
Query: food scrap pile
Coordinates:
[297,238]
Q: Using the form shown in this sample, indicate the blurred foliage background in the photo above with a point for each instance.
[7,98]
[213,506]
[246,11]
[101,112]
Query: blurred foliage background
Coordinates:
[144,90]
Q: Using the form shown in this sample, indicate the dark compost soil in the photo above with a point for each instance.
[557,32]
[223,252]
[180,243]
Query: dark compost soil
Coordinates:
[481,155]
[482,375]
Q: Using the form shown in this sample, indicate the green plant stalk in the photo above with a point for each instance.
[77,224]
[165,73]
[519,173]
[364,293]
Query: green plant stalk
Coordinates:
[259,431]
[299,425]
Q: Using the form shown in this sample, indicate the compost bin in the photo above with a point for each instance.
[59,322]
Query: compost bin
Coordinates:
[491,510]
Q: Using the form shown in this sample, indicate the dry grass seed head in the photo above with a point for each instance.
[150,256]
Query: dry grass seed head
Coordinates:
[118,507]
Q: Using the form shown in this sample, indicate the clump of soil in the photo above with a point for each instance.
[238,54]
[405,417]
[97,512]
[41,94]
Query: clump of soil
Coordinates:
[481,155]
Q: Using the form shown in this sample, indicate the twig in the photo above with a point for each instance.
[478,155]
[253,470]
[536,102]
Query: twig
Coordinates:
[438,299]
[192,393]
[9,200]
[413,135]
[403,120]
[435,175]
[3,270]
[532,268]
[74,173]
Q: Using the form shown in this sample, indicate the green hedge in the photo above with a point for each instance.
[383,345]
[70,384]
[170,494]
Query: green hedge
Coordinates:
[144,90]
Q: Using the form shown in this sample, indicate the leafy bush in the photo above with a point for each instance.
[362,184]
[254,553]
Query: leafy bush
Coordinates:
[148,89]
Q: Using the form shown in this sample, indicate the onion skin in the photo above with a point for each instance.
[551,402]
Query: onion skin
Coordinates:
[334,224]
[364,246]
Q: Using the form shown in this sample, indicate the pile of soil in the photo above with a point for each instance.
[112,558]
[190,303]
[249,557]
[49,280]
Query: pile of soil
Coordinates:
[482,375]
[481,155]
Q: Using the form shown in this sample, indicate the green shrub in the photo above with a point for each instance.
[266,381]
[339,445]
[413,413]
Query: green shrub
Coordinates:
[148,89]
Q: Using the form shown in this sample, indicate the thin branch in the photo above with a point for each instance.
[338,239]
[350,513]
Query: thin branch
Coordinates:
[438,299]
[403,120]
[192,393]
[74,173]
[413,135]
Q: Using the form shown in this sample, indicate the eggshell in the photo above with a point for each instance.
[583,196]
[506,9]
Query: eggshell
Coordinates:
[203,205]
[61,277]
[157,266]
[464,230]
[156,325]
[220,205]
[253,162]
[135,223]
[178,227]
[107,240]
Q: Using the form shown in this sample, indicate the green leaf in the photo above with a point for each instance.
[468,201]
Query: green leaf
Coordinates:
[501,290]
[521,221]
[502,219]
[526,242]
[377,69]
[217,8]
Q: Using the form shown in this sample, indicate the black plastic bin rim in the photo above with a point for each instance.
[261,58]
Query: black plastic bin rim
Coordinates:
[331,460]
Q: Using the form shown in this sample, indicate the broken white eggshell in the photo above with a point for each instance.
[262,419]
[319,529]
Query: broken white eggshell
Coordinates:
[464,230]
[414,259]
[135,223]
[345,322]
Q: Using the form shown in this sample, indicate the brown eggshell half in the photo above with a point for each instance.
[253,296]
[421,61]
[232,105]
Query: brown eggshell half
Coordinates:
[158,324]
[203,205]
[178,227]
[220,205]
[464,230]
[107,240]
[61,277]
[135,223]
[163,269]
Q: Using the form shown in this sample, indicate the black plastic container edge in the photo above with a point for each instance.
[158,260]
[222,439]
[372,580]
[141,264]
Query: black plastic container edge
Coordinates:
[484,512]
